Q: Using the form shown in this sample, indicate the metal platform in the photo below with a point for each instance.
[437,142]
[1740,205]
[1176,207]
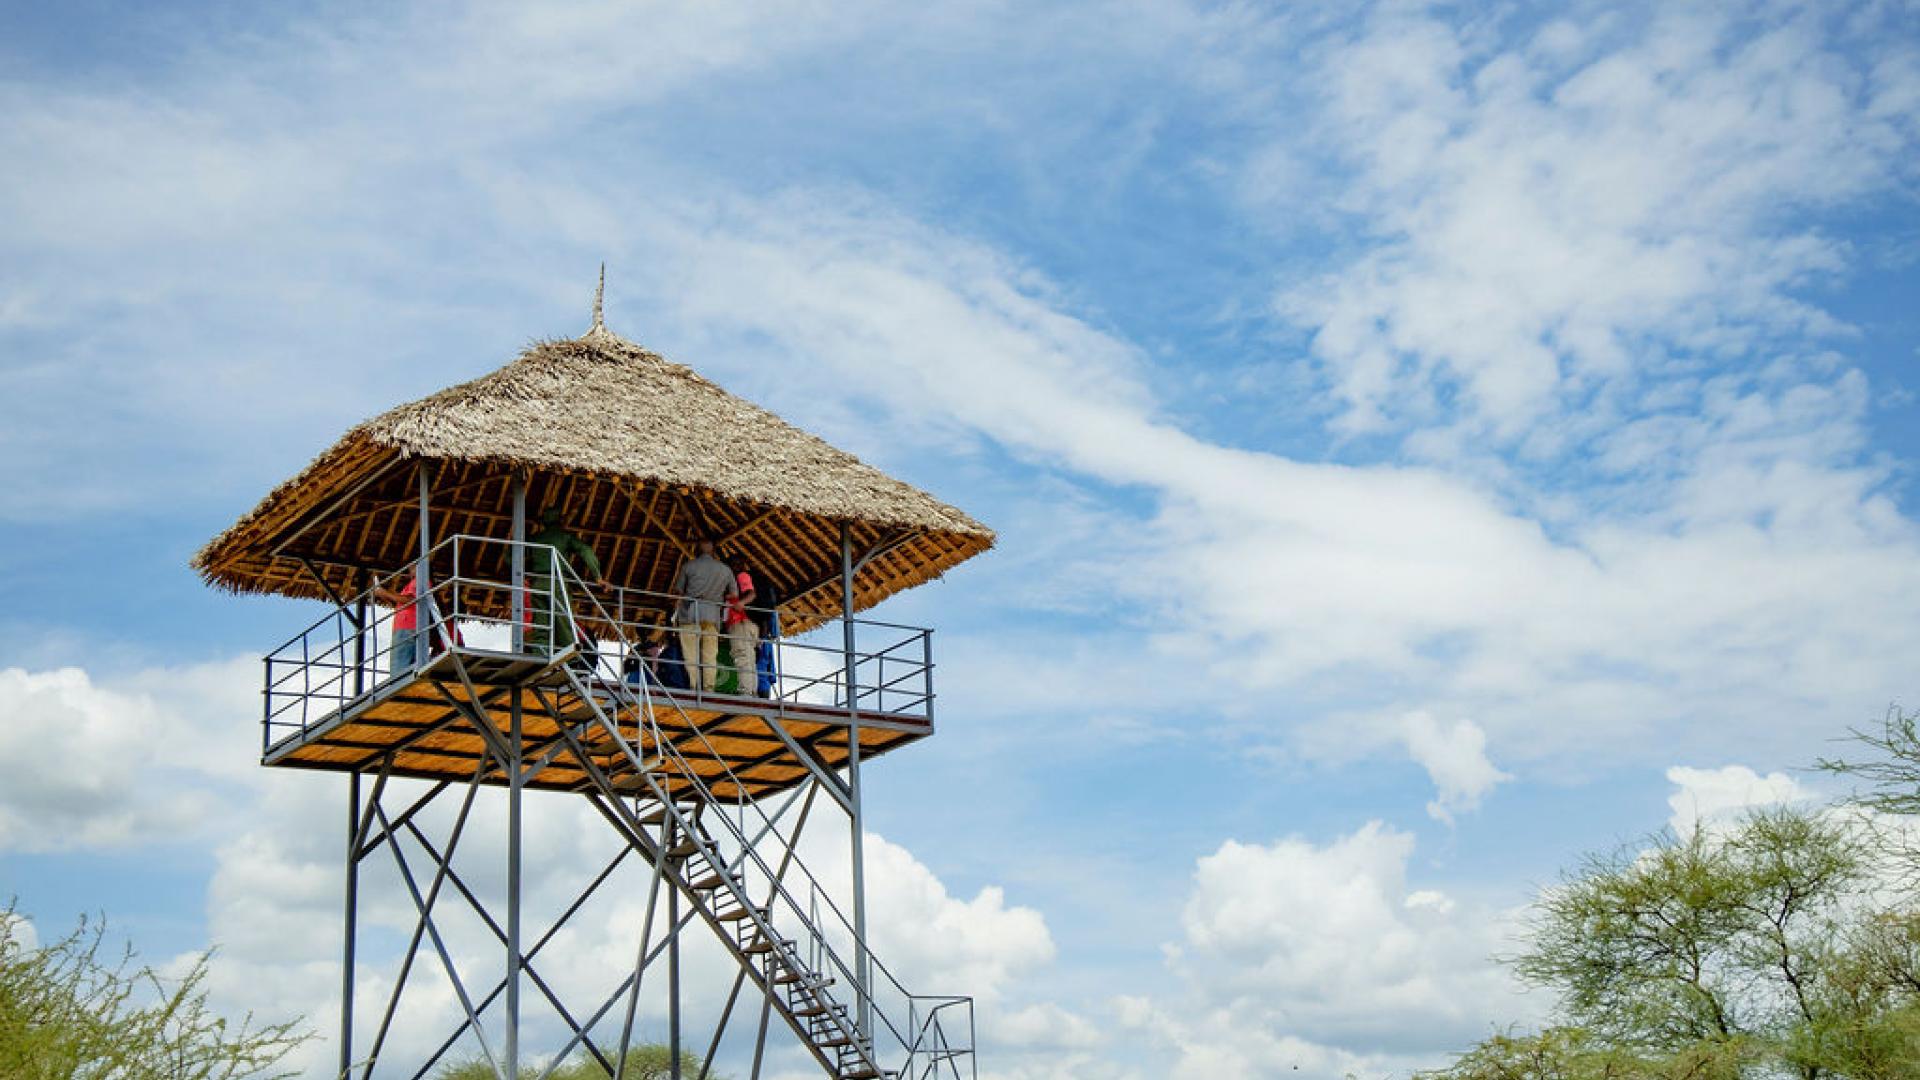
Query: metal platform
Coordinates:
[427,724]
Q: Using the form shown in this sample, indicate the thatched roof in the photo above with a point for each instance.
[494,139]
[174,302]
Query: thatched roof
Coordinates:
[639,454]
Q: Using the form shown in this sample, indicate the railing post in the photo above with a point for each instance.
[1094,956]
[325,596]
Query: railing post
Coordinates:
[306,681]
[926,670]
[266,709]
[453,594]
[518,577]
[423,621]
[360,642]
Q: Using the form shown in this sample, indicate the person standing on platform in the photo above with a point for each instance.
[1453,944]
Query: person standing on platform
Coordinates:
[743,636]
[549,590]
[703,585]
[765,614]
[403,649]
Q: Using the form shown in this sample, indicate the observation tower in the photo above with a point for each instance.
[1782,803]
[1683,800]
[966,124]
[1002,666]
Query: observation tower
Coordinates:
[518,678]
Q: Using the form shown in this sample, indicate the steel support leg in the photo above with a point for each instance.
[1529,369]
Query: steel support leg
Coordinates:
[352,921]
[640,965]
[514,962]
[673,964]
[760,1041]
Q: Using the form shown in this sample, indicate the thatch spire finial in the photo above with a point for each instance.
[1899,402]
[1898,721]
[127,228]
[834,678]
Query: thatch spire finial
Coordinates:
[599,298]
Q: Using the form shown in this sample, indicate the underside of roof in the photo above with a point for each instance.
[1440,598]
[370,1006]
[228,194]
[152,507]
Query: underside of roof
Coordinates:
[640,456]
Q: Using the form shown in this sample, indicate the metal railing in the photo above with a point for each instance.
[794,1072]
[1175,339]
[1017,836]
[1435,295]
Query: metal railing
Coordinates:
[892,662]
[471,604]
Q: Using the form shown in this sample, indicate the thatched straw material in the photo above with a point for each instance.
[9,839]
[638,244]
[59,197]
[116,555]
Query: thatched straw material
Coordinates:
[640,455]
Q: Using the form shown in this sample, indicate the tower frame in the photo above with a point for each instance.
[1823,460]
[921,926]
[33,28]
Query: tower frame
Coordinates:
[585,726]
[506,685]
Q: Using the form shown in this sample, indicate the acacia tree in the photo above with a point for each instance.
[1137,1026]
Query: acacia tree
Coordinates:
[69,1013]
[1746,951]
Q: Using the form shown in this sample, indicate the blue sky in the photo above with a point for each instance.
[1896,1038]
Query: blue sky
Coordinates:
[1427,442]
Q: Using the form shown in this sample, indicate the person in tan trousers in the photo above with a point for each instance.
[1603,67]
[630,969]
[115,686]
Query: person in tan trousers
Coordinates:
[704,586]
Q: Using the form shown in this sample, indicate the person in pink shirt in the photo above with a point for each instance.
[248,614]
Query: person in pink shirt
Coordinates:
[743,636]
[404,651]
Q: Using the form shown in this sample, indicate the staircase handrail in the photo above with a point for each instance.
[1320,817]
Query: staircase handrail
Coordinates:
[639,696]
[665,747]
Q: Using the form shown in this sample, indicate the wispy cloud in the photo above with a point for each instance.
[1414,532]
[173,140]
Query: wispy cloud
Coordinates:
[1563,228]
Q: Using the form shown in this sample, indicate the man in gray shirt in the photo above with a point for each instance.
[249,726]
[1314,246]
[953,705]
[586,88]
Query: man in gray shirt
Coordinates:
[703,586]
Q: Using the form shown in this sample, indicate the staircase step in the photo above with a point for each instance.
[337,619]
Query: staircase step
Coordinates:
[762,945]
[739,913]
[655,817]
[834,1040]
[867,1072]
[811,980]
[683,849]
[711,881]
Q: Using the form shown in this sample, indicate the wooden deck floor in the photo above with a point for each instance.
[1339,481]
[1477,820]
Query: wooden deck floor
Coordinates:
[428,726]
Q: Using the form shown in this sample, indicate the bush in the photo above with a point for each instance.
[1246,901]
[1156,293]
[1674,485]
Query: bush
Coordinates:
[645,1061]
[68,1014]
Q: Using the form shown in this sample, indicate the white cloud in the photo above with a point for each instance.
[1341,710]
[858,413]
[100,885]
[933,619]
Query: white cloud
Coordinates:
[1046,1042]
[105,766]
[1455,757]
[1046,1026]
[1708,796]
[22,931]
[1320,958]
[979,946]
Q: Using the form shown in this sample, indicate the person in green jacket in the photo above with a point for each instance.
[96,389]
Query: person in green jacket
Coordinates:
[549,590]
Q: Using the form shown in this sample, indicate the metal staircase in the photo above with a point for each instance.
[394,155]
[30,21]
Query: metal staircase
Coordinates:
[745,880]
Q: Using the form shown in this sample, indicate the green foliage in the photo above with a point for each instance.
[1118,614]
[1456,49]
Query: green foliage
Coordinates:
[645,1061]
[67,1013]
[1571,1053]
[1706,938]
[1746,952]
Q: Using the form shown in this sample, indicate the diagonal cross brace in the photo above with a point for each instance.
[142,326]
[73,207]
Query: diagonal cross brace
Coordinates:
[526,964]
[425,925]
